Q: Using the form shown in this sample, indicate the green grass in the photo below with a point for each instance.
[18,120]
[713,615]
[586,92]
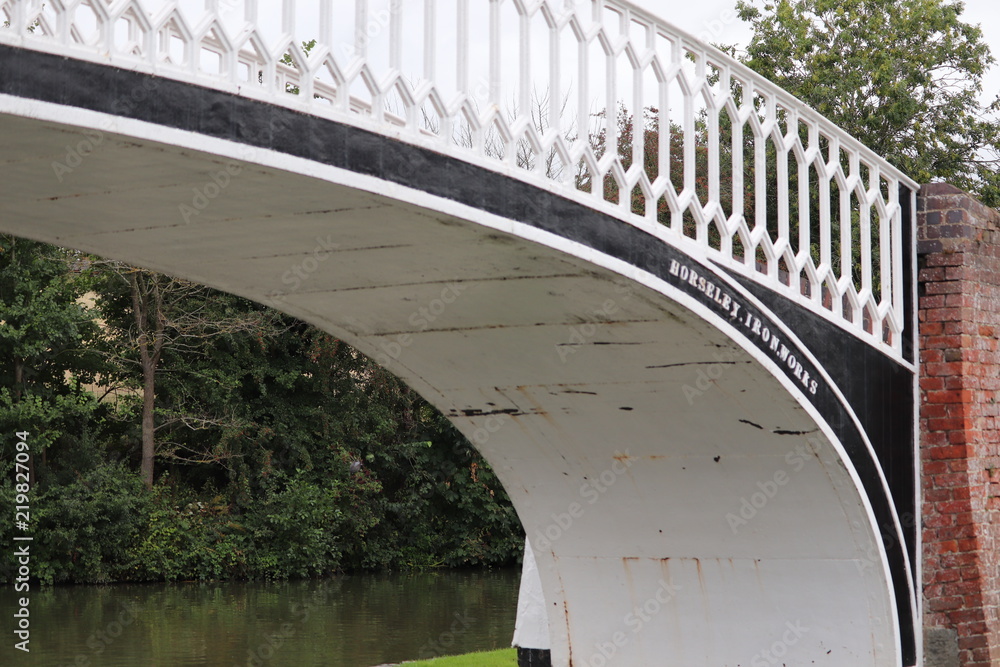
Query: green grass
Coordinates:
[504,658]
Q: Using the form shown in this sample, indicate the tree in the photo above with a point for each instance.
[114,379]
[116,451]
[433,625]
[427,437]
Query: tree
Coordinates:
[44,332]
[148,314]
[904,77]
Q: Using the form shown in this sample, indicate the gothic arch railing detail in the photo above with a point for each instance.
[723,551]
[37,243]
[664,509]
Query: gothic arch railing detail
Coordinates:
[597,100]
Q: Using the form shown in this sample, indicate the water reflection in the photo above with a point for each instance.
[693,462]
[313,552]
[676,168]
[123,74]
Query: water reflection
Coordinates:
[346,621]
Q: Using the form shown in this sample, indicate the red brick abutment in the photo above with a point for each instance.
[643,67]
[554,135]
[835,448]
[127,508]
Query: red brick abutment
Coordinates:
[958,249]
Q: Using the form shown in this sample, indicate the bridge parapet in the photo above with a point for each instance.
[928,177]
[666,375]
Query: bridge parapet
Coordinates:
[555,93]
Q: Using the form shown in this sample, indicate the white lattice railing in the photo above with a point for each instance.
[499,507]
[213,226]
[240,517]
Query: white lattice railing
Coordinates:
[597,100]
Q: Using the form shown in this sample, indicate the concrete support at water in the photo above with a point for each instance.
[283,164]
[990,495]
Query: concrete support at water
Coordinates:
[531,630]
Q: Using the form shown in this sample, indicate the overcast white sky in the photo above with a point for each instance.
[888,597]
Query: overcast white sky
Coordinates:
[712,20]
[717,21]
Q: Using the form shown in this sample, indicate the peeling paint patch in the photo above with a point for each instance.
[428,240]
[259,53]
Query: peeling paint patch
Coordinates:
[475,412]
[698,363]
[623,458]
[607,342]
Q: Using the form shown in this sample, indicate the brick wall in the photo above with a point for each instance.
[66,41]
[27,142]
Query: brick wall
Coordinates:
[958,245]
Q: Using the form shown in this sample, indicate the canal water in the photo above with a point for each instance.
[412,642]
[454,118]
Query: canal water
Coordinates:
[347,621]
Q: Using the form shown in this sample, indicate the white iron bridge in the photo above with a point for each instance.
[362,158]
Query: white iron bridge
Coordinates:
[672,305]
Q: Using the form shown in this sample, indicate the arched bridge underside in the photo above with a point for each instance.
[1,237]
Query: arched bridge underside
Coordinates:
[709,475]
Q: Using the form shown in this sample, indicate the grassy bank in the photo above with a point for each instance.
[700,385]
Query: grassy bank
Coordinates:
[504,658]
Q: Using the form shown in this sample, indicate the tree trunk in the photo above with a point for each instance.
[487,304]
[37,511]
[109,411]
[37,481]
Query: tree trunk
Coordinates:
[148,442]
[18,378]
[149,357]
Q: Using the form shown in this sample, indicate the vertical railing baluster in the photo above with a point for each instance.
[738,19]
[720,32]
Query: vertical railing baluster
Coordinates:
[803,201]
[663,124]
[430,40]
[896,250]
[396,35]
[63,25]
[739,195]
[288,33]
[638,119]
[288,17]
[885,248]
[760,168]
[610,108]
[360,28]
[690,154]
[212,14]
[555,88]
[462,48]
[250,12]
[476,133]
[712,119]
[784,239]
[494,56]
[846,231]
[825,227]
[524,64]
[18,21]
[326,24]
[583,91]
[865,228]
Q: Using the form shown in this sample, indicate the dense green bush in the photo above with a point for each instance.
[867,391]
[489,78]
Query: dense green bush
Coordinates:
[83,529]
[187,538]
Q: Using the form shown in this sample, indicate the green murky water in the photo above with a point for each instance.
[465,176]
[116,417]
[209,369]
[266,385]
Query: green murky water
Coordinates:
[349,621]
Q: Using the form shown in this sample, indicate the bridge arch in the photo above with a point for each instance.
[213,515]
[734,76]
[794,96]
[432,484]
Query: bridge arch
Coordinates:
[702,481]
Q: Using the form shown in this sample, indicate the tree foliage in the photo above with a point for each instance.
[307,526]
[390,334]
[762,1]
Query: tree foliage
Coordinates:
[280,451]
[904,77]
[46,345]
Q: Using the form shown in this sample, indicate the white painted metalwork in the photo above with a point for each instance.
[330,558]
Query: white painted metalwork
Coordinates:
[552,92]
